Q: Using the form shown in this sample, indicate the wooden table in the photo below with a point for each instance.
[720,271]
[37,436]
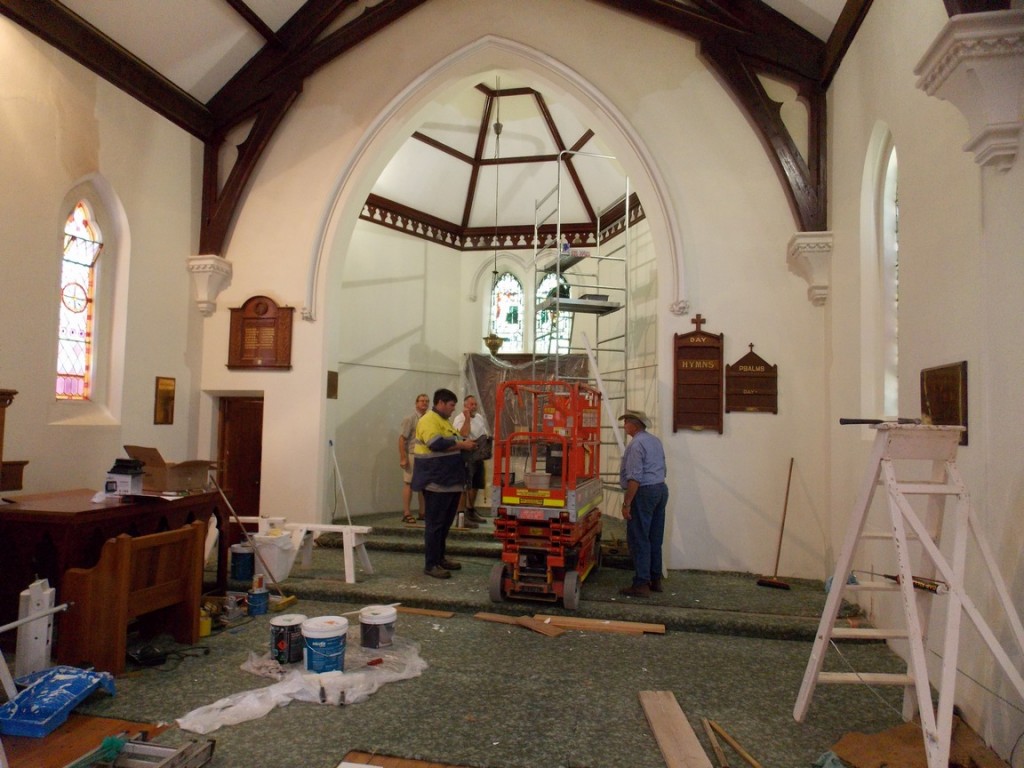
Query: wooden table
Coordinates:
[44,534]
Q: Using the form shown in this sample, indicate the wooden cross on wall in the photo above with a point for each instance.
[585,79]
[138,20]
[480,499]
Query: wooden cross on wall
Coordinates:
[698,321]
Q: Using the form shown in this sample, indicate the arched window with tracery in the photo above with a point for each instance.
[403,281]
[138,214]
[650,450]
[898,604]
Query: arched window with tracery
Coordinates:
[553,331]
[508,305]
[83,244]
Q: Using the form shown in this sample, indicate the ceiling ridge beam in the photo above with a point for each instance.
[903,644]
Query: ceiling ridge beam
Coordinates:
[72,35]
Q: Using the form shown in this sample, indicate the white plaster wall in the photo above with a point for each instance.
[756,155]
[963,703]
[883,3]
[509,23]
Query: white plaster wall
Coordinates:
[401,314]
[60,126]
[718,197]
[960,279]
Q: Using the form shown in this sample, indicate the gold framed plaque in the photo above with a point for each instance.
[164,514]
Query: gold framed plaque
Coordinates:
[163,401]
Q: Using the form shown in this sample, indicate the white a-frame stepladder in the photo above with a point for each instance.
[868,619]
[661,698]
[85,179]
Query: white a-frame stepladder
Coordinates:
[895,443]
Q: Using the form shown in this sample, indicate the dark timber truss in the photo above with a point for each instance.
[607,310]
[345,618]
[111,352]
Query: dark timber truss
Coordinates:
[739,39]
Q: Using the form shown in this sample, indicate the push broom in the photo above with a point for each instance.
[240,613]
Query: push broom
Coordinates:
[283,600]
[773,581]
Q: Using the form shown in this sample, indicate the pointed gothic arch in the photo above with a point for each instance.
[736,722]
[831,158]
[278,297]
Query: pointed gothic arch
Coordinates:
[405,111]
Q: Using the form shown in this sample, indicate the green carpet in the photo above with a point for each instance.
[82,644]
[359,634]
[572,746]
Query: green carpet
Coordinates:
[505,697]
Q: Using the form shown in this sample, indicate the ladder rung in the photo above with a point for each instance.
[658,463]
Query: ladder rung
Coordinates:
[871,678]
[868,633]
[873,586]
[885,535]
[930,488]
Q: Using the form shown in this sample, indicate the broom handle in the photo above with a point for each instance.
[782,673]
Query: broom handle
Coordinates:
[248,538]
[782,528]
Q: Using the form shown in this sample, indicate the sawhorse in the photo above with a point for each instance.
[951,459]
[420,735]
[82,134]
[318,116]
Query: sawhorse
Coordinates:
[896,442]
[353,542]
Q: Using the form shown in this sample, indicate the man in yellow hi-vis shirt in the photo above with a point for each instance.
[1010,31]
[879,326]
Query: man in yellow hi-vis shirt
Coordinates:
[440,473]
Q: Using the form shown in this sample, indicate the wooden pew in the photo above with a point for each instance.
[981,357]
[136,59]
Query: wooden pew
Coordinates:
[157,579]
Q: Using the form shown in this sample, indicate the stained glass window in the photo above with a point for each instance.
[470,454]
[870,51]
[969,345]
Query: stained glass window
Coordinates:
[507,309]
[82,245]
[554,329]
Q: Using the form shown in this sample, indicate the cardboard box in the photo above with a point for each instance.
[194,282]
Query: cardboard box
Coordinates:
[161,476]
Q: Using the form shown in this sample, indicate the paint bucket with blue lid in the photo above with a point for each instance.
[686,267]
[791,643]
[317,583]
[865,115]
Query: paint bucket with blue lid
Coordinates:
[324,643]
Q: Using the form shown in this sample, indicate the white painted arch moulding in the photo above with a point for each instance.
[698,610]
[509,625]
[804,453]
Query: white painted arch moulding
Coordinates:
[502,50]
[809,255]
[211,274]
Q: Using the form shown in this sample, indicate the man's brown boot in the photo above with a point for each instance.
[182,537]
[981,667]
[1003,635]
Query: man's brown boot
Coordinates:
[637,590]
[656,585]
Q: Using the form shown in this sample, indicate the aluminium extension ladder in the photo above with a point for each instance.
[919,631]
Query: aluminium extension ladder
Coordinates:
[938,444]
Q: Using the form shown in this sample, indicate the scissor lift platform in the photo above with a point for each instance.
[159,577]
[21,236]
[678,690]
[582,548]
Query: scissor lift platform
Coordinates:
[547,490]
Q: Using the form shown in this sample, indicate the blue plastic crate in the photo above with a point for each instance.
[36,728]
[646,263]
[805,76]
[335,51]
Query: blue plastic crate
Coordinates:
[48,699]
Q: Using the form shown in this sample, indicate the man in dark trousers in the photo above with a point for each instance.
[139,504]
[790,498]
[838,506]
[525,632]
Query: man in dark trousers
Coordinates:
[440,473]
[642,478]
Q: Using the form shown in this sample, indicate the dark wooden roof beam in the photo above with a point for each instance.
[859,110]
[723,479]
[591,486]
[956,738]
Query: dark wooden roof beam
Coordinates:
[254,21]
[75,37]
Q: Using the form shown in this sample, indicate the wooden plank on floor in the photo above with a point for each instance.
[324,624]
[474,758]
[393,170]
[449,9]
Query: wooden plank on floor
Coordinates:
[425,612]
[676,739]
[539,626]
[497,618]
[78,736]
[601,625]
[386,761]
[521,621]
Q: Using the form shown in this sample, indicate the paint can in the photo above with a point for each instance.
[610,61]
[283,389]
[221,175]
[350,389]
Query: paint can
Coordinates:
[460,520]
[377,626]
[243,562]
[286,638]
[259,601]
[324,643]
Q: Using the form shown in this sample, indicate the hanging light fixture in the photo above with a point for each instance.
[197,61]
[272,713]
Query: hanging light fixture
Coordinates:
[493,340]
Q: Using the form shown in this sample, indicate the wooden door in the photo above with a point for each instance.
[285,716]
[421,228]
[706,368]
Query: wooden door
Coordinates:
[240,453]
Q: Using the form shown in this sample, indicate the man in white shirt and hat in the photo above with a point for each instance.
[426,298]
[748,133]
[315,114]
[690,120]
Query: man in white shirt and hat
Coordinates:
[642,479]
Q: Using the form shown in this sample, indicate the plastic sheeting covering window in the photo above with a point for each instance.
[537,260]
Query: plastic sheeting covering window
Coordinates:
[364,675]
[484,373]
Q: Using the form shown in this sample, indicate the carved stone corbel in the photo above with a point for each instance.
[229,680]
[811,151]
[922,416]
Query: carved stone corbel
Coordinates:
[210,276]
[977,64]
[809,255]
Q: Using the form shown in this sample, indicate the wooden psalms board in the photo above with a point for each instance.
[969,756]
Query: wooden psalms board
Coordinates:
[678,743]
[261,335]
[751,384]
[697,392]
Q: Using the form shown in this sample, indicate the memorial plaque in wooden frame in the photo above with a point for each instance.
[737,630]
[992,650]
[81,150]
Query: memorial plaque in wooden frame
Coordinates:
[697,390]
[261,335]
[752,385]
[944,396]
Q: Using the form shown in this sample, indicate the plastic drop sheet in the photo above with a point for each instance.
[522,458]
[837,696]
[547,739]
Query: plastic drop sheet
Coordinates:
[360,679]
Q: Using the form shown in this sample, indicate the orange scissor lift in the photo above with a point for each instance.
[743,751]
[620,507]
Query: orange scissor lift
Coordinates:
[546,490]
